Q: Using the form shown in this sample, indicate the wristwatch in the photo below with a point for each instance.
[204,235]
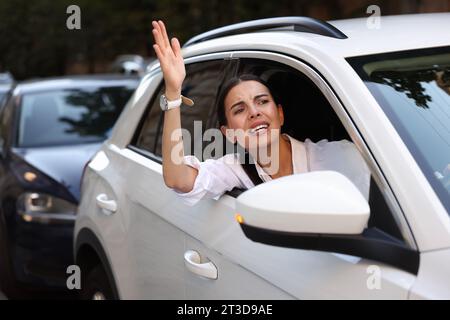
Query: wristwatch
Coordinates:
[168,104]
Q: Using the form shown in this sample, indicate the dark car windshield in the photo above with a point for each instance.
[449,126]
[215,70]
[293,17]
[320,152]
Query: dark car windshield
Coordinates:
[70,116]
[413,88]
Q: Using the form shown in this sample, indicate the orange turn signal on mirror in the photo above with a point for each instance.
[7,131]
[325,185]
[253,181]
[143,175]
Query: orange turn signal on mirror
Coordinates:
[239,218]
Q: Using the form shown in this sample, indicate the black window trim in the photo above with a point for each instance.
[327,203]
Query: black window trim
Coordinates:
[146,154]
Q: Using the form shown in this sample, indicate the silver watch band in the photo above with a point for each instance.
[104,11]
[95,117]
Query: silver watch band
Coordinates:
[167,104]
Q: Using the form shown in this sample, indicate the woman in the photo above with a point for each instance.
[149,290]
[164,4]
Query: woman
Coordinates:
[249,116]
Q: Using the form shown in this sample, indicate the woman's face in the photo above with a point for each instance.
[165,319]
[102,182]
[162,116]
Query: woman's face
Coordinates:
[252,115]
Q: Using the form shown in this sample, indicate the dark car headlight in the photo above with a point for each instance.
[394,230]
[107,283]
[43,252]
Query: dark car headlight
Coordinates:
[39,183]
[45,209]
[44,203]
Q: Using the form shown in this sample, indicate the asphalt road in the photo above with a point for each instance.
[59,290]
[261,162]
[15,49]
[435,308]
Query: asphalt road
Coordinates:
[44,294]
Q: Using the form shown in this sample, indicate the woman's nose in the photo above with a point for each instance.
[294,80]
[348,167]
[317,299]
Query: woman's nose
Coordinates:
[254,112]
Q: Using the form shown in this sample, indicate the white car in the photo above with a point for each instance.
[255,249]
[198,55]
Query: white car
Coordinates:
[307,236]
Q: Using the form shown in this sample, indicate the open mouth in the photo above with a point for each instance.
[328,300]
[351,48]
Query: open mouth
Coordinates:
[259,129]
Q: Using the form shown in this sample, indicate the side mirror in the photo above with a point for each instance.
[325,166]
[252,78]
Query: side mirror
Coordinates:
[321,211]
[323,202]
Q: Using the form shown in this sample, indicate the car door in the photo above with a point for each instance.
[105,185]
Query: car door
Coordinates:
[157,219]
[155,245]
[304,274]
[170,241]
[147,247]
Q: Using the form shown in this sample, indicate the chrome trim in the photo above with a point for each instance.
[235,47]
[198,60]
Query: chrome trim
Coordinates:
[47,218]
[35,195]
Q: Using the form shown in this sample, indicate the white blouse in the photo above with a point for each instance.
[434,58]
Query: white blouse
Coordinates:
[217,176]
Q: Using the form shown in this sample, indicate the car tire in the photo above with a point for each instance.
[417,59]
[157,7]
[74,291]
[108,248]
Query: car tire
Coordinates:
[96,285]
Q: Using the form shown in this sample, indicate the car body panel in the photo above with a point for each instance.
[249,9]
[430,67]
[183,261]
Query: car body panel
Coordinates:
[405,32]
[64,164]
[213,223]
[57,83]
[433,278]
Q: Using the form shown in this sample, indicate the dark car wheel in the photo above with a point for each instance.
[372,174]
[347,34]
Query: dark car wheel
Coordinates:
[96,286]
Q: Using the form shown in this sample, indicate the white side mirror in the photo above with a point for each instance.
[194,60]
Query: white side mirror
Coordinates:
[320,202]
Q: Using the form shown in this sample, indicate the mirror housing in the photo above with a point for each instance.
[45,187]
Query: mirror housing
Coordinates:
[320,202]
[321,211]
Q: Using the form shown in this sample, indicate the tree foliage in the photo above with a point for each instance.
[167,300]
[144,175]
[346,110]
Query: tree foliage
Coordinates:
[35,42]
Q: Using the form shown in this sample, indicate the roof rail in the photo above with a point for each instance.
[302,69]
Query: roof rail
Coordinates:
[300,24]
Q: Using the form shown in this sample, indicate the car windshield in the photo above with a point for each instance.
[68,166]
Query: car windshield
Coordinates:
[413,88]
[70,116]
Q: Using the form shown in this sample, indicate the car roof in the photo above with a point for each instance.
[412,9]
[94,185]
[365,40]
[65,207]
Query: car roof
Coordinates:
[66,82]
[396,33]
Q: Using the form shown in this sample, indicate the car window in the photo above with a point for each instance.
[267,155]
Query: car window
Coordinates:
[201,85]
[413,89]
[70,116]
[308,114]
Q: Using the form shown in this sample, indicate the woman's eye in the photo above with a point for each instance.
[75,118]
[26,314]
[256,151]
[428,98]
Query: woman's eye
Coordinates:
[263,101]
[238,110]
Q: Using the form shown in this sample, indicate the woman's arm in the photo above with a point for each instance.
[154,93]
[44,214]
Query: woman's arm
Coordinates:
[177,175]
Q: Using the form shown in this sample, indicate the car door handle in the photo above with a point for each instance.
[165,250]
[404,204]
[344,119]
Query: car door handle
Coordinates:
[108,206]
[193,263]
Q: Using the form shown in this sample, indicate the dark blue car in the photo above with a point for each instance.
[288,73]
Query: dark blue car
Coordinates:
[49,129]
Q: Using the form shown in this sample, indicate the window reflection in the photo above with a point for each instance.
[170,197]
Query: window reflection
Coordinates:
[70,116]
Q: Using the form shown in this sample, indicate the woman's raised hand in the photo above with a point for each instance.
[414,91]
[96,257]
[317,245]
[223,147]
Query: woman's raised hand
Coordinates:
[169,56]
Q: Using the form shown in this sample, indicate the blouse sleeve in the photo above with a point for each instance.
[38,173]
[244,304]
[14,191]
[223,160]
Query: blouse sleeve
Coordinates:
[214,178]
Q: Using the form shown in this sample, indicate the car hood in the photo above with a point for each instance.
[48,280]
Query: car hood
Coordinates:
[64,164]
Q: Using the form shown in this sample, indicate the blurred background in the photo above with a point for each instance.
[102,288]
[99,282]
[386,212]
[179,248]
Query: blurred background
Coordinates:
[35,42]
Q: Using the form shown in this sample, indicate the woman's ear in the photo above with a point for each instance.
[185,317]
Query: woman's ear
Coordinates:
[280,114]
[228,133]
